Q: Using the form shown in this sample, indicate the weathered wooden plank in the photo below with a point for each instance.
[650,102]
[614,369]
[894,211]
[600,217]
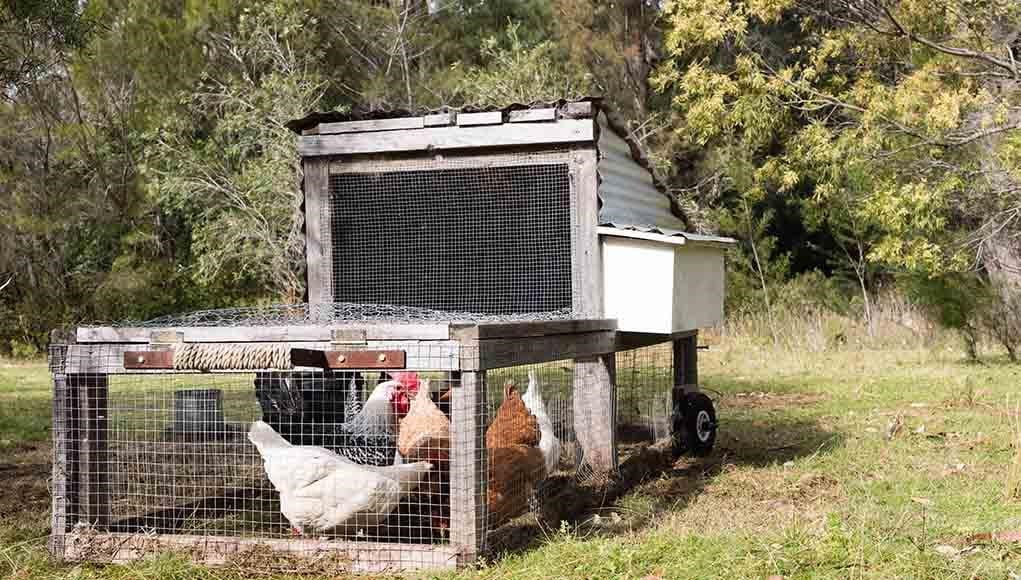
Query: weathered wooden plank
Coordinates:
[579,110]
[595,411]
[316,187]
[370,557]
[61,463]
[309,332]
[441,138]
[372,125]
[633,340]
[440,119]
[506,352]
[430,355]
[468,472]
[524,329]
[144,359]
[586,262]
[475,119]
[532,115]
[93,456]
[349,359]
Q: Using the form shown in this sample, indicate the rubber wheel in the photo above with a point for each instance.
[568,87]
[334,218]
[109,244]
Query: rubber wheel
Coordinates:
[694,425]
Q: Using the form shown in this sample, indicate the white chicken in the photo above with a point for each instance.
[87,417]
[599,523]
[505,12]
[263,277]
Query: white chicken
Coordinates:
[321,490]
[549,445]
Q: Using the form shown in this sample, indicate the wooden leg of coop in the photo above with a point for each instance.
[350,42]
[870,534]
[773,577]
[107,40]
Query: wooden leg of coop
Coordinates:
[468,466]
[62,462]
[686,363]
[595,411]
[93,490]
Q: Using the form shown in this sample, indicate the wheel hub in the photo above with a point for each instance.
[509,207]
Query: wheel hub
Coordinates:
[703,426]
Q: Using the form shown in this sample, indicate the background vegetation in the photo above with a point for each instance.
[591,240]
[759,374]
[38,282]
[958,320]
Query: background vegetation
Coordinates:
[865,152]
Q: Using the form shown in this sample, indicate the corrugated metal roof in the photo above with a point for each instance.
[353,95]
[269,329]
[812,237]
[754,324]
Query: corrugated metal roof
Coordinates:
[698,238]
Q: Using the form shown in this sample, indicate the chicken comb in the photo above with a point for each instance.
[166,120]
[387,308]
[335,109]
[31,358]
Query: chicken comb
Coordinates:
[407,378]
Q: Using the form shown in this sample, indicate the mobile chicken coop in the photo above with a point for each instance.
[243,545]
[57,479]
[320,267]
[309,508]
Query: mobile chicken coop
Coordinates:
[499,303]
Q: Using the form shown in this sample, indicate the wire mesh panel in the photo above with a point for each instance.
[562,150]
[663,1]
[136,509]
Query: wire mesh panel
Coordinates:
[490,235]
[645,381]
[303,458]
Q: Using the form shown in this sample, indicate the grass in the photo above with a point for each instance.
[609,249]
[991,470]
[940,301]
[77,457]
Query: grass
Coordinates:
[831,464]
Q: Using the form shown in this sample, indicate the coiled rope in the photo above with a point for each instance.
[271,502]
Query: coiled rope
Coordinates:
[207,357]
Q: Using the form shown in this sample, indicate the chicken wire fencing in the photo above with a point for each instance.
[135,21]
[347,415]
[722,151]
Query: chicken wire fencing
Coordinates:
[285,459]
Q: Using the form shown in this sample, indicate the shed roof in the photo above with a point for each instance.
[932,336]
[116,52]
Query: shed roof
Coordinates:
[631,197]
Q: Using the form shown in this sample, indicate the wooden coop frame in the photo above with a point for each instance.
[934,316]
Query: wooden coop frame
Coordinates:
[590,336]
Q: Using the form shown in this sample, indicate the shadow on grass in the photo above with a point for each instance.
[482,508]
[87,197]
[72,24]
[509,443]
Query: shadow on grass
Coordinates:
[757,435]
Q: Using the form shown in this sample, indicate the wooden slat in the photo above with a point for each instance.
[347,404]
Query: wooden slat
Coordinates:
[468,474]
[155,359]
[316,187]
[686,359]
[349,359]
[475,119]
[369,557]
[506,352]
[441,138]
[372,125]
[579,110]
[440,119]
[595,411]
[524,329]
[532,115]
[430,355]
[106,334]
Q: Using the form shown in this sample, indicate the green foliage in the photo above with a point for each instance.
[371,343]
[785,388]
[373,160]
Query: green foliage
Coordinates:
[955,301]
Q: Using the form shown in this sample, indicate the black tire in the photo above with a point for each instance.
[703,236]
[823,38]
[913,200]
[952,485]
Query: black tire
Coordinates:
[694,425]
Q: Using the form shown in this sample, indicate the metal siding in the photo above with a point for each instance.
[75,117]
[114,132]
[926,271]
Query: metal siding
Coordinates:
[626,190]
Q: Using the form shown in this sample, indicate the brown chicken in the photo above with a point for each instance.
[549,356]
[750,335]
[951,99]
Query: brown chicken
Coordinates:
[514,424]
[424,433]
[515,461]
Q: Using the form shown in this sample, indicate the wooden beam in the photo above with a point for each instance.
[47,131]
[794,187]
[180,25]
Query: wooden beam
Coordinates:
[586,259]
[316,187]
[475,119]
[468,461]
[372,125]
[291,333]
[686,361]
[441,138]
[489,330]
[156,359]
[369,557]
[431,355]
[532,115]
[507,352]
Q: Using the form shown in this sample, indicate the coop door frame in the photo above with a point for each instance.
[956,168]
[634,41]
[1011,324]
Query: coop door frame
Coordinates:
[581,161]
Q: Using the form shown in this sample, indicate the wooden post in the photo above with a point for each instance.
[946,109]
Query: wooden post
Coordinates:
[595,389]
[63,480]
[468,467]
[686,362]
[317,251]
[93,469]
[595,411]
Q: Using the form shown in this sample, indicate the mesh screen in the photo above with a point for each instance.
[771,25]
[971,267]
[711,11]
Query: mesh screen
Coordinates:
[487,239]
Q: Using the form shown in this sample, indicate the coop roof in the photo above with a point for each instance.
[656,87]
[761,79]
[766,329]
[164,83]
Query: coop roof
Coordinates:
[631,197]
